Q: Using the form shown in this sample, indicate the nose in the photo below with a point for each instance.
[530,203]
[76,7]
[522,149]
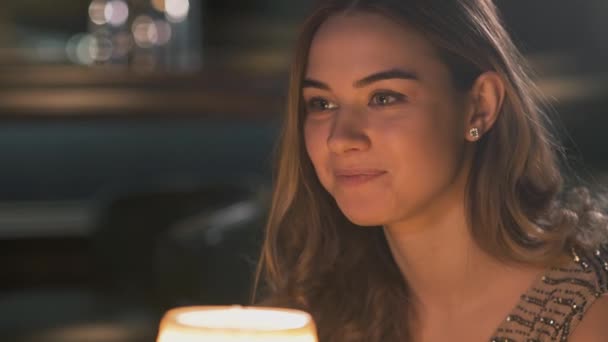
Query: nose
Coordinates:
[348,133]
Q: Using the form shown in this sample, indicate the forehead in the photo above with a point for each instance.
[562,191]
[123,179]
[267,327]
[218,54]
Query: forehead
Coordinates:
[363,43]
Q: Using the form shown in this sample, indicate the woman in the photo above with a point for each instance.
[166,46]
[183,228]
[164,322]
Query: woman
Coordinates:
[418,195]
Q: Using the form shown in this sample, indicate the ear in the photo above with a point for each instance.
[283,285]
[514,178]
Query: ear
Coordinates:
[487,96]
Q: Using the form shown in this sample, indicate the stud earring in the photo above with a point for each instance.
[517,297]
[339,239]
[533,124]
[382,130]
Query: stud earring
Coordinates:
[474,132]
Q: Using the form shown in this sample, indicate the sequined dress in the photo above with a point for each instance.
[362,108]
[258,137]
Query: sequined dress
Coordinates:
[556,303]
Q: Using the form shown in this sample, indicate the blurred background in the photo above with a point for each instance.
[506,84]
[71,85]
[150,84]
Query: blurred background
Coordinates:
[136,142]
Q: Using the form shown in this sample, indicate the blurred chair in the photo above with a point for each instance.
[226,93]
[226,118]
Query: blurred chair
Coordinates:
[174,248]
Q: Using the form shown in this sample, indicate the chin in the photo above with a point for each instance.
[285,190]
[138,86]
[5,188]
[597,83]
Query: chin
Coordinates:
[364,216]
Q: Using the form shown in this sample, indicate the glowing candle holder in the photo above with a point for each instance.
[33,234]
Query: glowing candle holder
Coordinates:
[236,324]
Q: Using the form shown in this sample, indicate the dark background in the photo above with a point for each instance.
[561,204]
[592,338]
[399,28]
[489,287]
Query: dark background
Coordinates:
[131,187]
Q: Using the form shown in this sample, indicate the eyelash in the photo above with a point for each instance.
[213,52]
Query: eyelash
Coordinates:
[397,97]
[313,105]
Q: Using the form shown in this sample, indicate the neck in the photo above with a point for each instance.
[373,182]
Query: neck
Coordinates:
[439,259]
[443,266]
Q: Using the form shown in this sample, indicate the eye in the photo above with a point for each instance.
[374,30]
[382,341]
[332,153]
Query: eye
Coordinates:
[319,104]
[386,98]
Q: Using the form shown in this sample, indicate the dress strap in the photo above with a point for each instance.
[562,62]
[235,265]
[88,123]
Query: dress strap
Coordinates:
[552,308]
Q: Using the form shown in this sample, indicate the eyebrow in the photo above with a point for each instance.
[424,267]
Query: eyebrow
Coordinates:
[376,77]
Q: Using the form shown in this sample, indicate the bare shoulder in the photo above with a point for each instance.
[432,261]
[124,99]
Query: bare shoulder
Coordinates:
[594,326]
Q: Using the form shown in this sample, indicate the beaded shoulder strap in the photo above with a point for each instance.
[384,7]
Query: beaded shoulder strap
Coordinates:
[553,307]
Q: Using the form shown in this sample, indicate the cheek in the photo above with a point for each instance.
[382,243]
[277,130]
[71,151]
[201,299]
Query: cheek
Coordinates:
[315,138]
[435,129]
[426,148]
[413,135]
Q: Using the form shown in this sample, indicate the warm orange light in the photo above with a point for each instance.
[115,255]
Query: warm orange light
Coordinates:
[159,5]
[236,324]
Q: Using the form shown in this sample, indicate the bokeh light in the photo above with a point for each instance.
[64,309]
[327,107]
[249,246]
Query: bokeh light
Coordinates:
[71,47]
[144,31]
[97,10]
[100,47]
[177,10]
[164,32]
[116,12]
[81,49]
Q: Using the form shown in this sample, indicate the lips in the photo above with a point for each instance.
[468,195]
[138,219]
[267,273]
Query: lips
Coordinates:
[357,176]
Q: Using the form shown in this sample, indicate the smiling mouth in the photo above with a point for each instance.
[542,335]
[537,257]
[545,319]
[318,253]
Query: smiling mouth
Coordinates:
[354,178]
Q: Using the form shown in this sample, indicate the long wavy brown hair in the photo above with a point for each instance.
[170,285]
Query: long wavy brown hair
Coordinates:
[315,259]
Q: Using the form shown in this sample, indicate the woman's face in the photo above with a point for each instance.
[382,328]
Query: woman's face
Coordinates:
[384,128]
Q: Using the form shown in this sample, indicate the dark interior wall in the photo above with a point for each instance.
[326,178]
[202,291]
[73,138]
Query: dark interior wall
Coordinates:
[78,160]
[560,25]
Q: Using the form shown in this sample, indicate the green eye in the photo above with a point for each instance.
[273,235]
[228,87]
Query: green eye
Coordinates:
[386,98]
[320,104]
